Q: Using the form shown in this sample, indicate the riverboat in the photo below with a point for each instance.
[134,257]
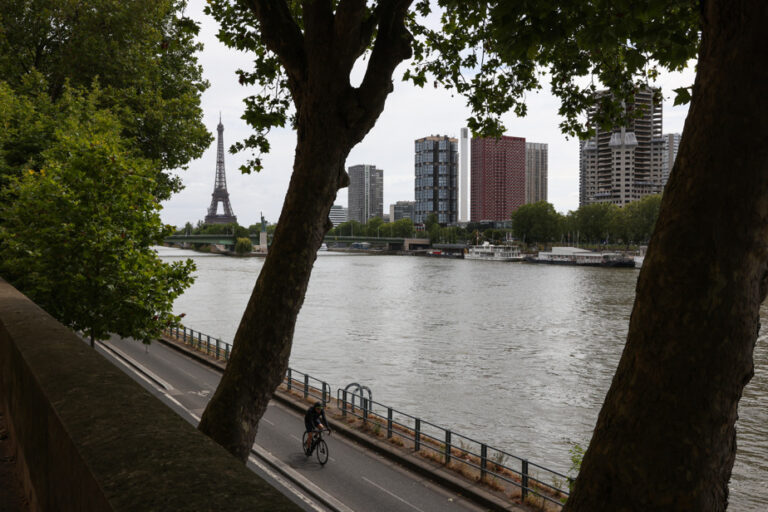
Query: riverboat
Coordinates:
[582,257]
[489,252]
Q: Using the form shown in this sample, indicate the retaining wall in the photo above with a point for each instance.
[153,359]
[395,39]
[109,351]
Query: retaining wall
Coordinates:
[88,438]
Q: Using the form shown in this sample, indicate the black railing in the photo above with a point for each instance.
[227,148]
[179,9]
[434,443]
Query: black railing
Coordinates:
[447,446]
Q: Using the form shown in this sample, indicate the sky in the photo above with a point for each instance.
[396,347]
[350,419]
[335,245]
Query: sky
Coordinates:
[410,113]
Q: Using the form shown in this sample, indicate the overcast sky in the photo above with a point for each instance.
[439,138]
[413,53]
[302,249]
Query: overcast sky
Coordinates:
[410,113]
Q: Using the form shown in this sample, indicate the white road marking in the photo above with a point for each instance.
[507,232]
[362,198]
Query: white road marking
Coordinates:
[286,484]
[265,420]
[393,495]
[140,367]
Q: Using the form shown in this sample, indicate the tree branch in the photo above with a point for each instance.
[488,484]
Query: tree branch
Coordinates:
[392,46]
[352,31]
[282,36]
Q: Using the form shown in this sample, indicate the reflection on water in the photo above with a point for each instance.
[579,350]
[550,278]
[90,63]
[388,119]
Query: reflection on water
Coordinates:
[519,356]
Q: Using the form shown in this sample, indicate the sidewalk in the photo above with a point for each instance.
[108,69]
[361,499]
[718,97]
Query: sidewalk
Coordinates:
[11,494]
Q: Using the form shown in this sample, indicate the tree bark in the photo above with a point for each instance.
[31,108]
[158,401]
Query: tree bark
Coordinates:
[665,438]
[331,118]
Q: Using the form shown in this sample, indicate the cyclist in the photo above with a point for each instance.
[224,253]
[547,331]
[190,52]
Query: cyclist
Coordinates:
[314,419]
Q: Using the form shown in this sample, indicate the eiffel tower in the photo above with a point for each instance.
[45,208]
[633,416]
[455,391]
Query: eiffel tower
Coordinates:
[220,193]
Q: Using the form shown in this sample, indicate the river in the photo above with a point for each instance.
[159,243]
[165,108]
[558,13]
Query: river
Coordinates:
[519,356]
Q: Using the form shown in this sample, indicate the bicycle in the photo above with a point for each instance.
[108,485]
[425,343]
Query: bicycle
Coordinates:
[319,446]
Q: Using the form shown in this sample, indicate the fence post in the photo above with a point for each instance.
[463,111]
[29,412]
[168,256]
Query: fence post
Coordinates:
[306,385]
[417,437]
[185,334]
[199,341]
[344,404]
[389,422]
[226,352]
[483,461]
[447,446]
[208,345]
[365,409]
[524,481]
[324,384]
[218,353]
[289,379]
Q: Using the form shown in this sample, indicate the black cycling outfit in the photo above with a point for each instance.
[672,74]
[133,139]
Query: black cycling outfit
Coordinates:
[313,418]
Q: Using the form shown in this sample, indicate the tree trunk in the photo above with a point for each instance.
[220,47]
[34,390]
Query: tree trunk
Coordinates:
[262,344]
[331,117]
[665,438]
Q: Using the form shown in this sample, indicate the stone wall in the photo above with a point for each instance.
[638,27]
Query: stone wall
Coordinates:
[89,438]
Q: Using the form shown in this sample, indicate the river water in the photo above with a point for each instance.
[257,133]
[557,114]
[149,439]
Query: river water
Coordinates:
[515,355]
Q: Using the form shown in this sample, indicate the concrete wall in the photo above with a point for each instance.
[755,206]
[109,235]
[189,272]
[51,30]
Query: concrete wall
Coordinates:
[90,438]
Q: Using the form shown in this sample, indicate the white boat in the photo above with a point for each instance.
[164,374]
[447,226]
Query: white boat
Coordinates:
[323,247]
[583,257]
[488,252]
[639,261]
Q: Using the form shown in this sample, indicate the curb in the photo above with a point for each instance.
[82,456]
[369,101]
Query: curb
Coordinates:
[432,470]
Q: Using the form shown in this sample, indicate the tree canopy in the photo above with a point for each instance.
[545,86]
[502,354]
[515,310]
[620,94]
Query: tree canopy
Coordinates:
[76,232]
[142,55]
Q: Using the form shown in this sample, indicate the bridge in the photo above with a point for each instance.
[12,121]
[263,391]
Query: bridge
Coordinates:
[389,243]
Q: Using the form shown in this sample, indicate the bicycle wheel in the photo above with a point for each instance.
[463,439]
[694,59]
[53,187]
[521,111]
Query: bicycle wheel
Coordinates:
[304,445]
[322,452]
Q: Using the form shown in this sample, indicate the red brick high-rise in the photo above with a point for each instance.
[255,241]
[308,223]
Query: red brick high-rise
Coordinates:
[498,177]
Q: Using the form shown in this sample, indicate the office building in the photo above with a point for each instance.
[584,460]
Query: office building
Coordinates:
[366,193]
[625,163]
[498,178]
[536,166]
[338,215]
[435,184]
[402,210]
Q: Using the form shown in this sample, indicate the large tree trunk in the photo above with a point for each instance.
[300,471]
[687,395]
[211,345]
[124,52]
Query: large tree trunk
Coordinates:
[331,117]
[262,344]
[665,438]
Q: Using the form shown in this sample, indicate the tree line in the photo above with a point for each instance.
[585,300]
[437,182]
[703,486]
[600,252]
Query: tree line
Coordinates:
[530,224]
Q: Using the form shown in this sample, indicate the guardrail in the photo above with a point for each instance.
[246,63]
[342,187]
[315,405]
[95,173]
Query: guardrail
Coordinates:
[479,460]
[215,347]
[483,462]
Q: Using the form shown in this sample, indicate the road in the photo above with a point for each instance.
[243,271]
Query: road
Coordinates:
[354,479]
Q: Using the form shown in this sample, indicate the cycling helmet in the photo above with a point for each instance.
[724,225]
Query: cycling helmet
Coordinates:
[319,404]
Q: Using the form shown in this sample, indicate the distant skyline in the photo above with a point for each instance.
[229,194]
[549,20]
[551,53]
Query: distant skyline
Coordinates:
[410,113]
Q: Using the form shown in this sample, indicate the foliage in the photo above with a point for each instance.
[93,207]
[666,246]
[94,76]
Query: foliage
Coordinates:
[243,246]
[536,222]
[145,65]
[77,233]
[577,455]
[641,218]
[494,52]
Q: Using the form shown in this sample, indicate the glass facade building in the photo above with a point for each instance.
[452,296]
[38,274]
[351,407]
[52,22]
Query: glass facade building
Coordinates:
[436,175]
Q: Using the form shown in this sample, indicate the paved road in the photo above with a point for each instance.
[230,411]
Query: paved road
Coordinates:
[354,479]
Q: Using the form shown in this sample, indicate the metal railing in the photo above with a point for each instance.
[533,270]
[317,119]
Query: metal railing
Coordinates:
[485,462]
[201,342]
[480,460]
[293,380]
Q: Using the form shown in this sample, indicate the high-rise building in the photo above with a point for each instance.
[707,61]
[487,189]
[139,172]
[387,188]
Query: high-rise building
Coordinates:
[402,210]
[498,178]
[464,175]
[536,170]
[671,145]
[366,193]
[436,189]
[338,215]
[624,164]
